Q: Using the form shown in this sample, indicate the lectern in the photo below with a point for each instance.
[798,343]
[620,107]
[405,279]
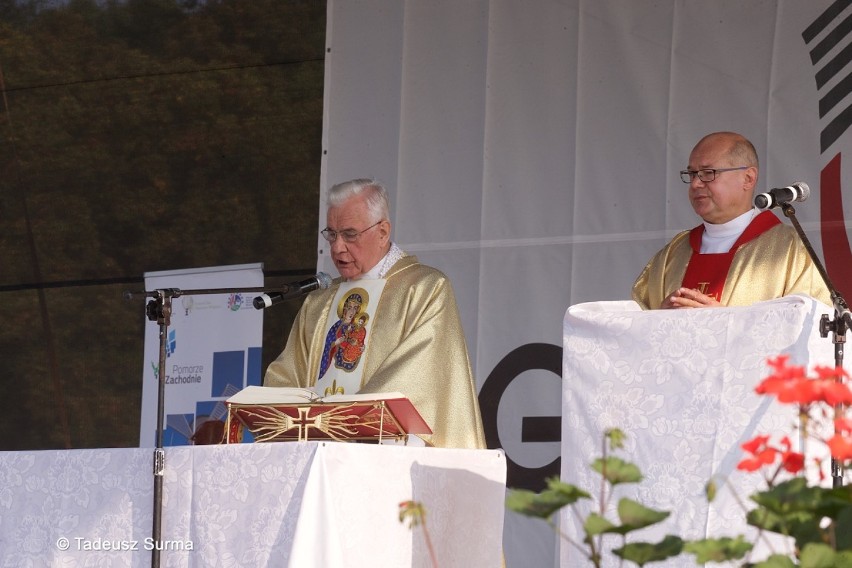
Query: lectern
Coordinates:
[680,384]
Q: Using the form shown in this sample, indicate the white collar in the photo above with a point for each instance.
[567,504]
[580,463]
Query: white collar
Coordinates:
[733,227]
[384,265]
[719,238]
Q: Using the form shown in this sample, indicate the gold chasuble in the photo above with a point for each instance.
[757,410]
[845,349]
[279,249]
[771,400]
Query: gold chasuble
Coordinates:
[707,272]
[412,343]
[768,261]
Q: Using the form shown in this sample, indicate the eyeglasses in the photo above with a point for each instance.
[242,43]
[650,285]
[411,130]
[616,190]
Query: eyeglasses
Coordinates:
[348,236]
[706,175]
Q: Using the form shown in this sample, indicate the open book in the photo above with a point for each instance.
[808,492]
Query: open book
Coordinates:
[273,395]
[285,414]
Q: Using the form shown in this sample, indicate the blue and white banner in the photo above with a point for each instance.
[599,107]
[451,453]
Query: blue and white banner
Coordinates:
[213,349]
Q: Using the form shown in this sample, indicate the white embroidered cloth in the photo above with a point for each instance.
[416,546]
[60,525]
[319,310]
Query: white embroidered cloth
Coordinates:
[252,505]
[680,384]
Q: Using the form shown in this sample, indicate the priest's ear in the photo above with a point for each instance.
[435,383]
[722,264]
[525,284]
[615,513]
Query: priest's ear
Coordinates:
[384,229]
[750,178]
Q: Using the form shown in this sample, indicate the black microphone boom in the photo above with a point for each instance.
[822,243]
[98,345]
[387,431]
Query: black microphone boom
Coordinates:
[799,191]
[319,282]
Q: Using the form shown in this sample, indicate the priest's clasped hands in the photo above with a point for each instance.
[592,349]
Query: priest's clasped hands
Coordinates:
[689,298]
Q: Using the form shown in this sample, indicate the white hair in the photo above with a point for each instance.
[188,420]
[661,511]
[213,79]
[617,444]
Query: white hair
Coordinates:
[376,196]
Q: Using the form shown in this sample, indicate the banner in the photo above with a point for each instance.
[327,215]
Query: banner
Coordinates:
[213,349]
[532,152]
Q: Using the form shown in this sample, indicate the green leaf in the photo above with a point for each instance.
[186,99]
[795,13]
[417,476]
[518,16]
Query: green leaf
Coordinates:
[532,504]
[718,549]
[776,561]
[802,526]
[635,516]
[796,509]
[616,438]
[616,470]
[817,556]
[643,552]
[795,495]
[596,524]
[843,529]
[843,559]
[710,491]
[543,505]
[793,508]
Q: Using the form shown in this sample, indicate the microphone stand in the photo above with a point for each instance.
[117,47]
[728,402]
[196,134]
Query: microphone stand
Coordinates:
[159,309]
[838,326]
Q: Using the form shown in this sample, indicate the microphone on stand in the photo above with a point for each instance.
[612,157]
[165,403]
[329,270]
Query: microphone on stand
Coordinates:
[799,191]
[319,282]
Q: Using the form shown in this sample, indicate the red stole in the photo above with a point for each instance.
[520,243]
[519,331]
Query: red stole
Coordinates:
[707,272]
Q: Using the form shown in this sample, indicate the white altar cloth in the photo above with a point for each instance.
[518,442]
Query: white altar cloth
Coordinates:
[253,505]
[680,384]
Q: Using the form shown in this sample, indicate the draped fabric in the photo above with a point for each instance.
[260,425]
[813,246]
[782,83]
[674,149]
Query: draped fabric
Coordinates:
[532,152]
[253,505]
[680,385]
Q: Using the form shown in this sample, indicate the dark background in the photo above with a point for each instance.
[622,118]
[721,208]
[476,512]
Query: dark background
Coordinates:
[138,136]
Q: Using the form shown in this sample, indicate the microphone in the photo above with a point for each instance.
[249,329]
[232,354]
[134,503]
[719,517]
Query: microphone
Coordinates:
[799,191]
[319,282]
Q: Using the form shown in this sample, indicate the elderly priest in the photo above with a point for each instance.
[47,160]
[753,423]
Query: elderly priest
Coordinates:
[388,324]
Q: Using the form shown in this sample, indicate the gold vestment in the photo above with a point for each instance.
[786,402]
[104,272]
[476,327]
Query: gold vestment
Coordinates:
[416,347]
[770,266]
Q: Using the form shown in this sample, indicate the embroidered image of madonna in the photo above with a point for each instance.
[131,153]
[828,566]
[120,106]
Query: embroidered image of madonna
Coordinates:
[345,341]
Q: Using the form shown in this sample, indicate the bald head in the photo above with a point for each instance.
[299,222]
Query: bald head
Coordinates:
[735,147]
[729,194]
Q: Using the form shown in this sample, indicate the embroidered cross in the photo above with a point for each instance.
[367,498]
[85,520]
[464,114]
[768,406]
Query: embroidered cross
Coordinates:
[304,423]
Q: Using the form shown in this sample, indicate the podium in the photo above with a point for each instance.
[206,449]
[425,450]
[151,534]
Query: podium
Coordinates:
[680,384]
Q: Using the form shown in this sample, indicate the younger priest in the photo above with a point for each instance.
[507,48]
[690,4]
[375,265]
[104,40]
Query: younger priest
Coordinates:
[738,255]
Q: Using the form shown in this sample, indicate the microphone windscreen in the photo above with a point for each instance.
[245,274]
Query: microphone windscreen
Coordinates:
[323,280]
[262,301]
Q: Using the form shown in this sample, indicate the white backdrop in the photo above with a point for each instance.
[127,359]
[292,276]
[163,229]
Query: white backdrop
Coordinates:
[532,150]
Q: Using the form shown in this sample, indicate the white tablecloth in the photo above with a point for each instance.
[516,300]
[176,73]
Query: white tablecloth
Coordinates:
[253,505]
[680,384]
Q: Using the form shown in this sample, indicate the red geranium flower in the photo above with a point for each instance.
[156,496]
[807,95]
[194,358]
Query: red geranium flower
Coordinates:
[830,372]
[790,384]
[783,370]
[761,454]
[753,445]
[794,462]
[831,392]
[841,447]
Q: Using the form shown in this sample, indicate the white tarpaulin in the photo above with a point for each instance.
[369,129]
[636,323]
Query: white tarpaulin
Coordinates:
[532,150]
